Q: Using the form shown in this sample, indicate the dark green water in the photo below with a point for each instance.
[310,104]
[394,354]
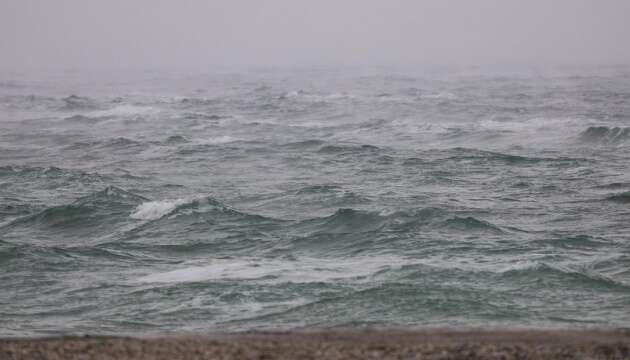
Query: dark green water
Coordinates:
[322,197]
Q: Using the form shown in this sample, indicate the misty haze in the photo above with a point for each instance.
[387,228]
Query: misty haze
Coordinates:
[219,167]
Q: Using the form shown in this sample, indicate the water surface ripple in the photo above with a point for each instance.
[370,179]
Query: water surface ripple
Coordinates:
[319,197]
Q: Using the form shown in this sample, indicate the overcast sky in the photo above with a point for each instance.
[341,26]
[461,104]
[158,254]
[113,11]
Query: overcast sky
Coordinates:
[201,33]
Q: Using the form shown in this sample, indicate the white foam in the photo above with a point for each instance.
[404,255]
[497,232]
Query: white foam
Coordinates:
[302,95]
[123,110]
[305,270]
[218,140]
[439,96]
[153,210]
[533,124]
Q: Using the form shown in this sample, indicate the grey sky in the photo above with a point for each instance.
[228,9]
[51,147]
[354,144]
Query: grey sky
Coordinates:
[196,34]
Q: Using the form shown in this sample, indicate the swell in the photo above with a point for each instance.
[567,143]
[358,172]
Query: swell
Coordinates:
[115,216]
[203,116]
[171,209]
[427,294]
[84,119]
[544,274]
[32,255]
[623,198]
[114,202]
[318,189]
[305,144]
[471,224]
[354,230]
[348,149]
[581,241]
[459,153]
[75,102]
[117,143]
[197,226]
[34,173]
[605,135]
[95,209]
[384,303]
[121,142]
[614,186]
[12,207]
[28,102]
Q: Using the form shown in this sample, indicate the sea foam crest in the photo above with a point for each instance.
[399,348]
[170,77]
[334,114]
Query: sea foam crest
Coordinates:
[218,140]
[304,270]
[153,210]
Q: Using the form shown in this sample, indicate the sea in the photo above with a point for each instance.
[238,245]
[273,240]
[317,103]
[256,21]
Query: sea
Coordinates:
[228,200]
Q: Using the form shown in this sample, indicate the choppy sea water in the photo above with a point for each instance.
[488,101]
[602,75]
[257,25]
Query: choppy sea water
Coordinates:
[313,198]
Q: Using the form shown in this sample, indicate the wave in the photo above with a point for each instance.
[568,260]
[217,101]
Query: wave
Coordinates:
[508,159]
[51,172]
[614,186]
[28,102]
[383,304]
[196,101]
[124,111]
[82,119]
[121,142]
[576,242]
[46,257]
[153,210]
[111,195]
[99,208]
[539,125]
[276,271]
[176,139]
[225,139]
[351,221]
[471,224]
[312,97]
[75,102]
[305,144]
[204,145]
[623,197]
[176,208]
[347,221]
[11,84]
[605,135]
[318,189]
[14,209]
[420,94]
[562,275]
[203,116]
[11,209]
[474,154]
[438,96]
[348,149]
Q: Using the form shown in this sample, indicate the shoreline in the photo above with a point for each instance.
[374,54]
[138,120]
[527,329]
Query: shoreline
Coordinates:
[368,343]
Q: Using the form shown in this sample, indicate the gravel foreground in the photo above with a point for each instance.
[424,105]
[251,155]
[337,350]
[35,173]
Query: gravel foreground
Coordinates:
[334,344]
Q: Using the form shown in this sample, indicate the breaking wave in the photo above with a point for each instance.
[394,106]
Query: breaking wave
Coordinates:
[605,135]
[154,210]
[97,208]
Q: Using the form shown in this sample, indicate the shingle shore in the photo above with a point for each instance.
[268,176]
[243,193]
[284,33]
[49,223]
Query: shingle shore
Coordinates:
[334,344]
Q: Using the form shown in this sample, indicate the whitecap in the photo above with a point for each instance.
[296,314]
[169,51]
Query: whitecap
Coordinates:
[303,95]
[305,270]
[533,124]
[439,96]
[218,140]
[153,210]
